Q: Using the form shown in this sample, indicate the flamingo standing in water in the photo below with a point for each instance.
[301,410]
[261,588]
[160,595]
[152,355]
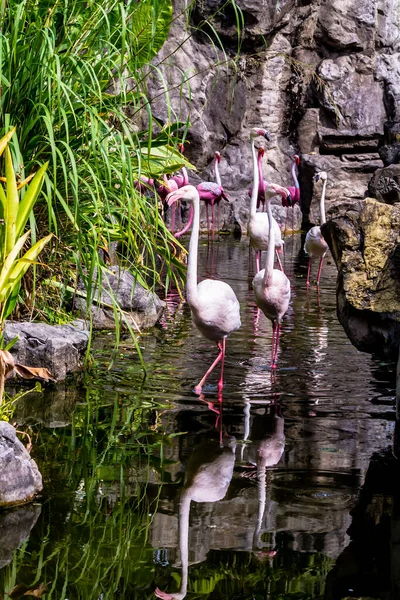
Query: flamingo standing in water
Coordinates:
[258,226]
[315,245]
[261,181]
[293,189]
[212,193]
[213,304]
[271,286]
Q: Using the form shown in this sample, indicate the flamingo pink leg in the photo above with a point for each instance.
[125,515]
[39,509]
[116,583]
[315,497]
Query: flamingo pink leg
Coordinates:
[208,219]
[275,357]
[218,216]
[199,387]
[221,377]
[273,343]
[319,270]
[308,271]
[173,218]
[212,220]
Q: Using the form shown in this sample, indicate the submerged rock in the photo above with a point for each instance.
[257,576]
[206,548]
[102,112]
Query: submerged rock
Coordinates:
[58,348]
[139,308]
[365,244]
[20,479]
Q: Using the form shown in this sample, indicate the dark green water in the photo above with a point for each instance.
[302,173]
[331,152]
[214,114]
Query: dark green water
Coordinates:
[114,448]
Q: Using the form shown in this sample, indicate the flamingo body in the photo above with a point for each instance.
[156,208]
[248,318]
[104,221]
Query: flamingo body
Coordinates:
[273,299]
[315,244]
[215,311]
[211,192]
[258,233]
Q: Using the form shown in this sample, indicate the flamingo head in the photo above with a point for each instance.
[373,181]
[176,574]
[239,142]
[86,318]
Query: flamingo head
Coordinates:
[217,156]
[274,189]
[188,192]
[261,151]
[321,175]
[256,131]
[296,159]
[181,148]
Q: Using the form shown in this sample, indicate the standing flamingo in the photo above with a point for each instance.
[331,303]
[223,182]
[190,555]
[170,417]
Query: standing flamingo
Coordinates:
[258,226]
[315,245]
[272,288]
[293,189]
[212,193]
[213,304]
[261,186]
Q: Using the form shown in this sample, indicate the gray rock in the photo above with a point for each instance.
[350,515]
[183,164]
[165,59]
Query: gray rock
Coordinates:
[20,479]
[58,348]
[139,308]
[384,185]
[390,154]
[15,528]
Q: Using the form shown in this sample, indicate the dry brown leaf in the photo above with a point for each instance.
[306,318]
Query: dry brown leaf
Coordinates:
[33,372]
[18,590]
[38,592]
[24,590]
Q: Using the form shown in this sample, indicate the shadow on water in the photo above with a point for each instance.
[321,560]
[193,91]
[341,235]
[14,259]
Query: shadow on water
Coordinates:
[288,487]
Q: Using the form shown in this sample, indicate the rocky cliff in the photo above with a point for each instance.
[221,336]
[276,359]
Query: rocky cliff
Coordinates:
[323,76]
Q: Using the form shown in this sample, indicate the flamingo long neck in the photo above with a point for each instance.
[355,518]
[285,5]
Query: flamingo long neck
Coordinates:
[191,280]
[269,263]
[261,186]
[256,179]
[262,497]
[322,203]
[185,176]
[216,171]
[294,175]
[184,510]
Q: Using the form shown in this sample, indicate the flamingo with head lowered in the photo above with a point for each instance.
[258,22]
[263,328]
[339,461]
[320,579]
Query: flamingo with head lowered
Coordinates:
[315,245]
[213,304]
[212,193]
[271,286]
[293,189]
[258,225]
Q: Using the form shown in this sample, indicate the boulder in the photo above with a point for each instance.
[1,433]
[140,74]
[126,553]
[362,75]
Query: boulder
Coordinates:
[120,294]
[20,479]
[364,240]
[384,185]
[390,154]
[59,348]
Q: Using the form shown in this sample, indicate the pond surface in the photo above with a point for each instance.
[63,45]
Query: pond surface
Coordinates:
[270,473]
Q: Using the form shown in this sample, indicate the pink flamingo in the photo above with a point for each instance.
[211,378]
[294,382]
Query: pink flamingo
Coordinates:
[258,225]
[213,304]
[293,189]
[212,193]
[143,184]
[272,287]
[315,245]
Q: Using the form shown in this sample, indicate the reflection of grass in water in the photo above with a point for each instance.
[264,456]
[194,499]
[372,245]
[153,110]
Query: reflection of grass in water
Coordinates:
[92,539]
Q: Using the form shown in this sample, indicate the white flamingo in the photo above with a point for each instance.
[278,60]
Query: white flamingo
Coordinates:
[258,226]
[271,286]
[315,245]
[213,304]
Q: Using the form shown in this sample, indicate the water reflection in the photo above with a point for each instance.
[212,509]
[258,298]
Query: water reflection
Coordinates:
[208,475]
[114,469]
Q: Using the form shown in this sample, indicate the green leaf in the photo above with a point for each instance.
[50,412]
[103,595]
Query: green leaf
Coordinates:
[12,202]
[29,199]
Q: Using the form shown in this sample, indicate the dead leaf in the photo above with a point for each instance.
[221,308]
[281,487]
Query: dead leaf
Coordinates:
[24,590]
[33,372]
[39,591]
[18,590]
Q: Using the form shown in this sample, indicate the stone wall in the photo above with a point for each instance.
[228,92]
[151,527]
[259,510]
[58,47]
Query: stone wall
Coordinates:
[323,76]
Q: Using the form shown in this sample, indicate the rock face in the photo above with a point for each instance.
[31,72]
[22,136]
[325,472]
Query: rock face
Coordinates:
[365,244]
[140,308]
[20,479]
[326,85]
[59,348]
[385,184]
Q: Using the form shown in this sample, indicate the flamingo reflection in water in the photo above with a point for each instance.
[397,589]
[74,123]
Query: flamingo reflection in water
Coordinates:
[208,475]
[265,450]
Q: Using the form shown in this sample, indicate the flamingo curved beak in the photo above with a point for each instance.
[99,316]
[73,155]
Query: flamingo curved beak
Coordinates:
[267,136]
[174,197]
[316,178]
[289,199]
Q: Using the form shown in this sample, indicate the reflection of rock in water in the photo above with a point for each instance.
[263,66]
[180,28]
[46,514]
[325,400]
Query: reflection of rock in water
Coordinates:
[53,408]
[15,528]
[370,565]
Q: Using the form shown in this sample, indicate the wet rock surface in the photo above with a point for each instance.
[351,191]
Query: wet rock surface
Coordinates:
[20,479]
[139,308]
[326,86]
[58,348]
[365,245]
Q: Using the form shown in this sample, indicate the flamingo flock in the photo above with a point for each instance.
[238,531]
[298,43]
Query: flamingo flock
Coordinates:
[214,306]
